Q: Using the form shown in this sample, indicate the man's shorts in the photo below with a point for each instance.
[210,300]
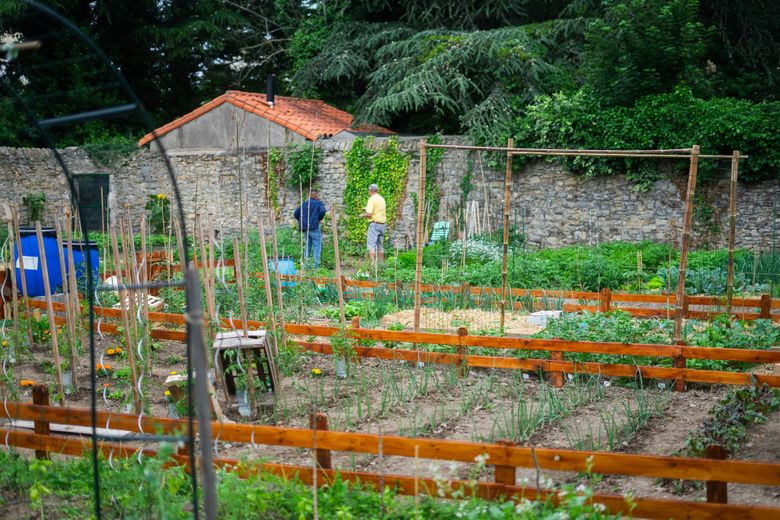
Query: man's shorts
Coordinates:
[376,234]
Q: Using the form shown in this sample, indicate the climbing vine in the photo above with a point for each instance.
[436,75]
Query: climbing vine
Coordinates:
[304,165]
[275,165]
[432,190]
[387,168]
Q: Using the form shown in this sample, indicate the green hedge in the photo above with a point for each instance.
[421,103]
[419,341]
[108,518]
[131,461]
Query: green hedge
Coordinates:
[672,120]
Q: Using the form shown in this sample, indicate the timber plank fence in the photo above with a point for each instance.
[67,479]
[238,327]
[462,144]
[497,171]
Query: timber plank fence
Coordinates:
[653,305]
[462,341]
[504,457]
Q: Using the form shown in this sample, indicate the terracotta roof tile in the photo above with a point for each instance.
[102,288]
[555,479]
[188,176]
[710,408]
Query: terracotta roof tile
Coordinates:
[311,118]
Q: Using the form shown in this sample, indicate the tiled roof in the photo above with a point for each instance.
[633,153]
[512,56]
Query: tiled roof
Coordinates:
[311,118]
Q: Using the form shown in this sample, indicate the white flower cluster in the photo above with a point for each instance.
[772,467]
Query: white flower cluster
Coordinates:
[477,249]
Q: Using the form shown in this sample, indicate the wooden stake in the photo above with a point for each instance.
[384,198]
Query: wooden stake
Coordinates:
[14,289]
[248,357]
[124,300]
[70,318]
[23,278]
[319,421]
[339,284]
[279,297]
[505,254]
[206,279]
[732,229]
[420,237]
[50,312]
[270,303]
[686,242]
[74,290]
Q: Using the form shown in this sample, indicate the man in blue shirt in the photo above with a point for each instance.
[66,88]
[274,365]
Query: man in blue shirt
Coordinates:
[309,215]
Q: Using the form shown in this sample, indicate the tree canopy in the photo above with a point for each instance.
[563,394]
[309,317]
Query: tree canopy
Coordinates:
[480,68]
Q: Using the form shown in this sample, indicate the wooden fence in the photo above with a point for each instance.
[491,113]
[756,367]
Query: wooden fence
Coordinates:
[556,366]
[505,458]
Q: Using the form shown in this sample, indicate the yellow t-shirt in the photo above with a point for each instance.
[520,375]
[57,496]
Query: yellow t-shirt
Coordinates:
[377,208]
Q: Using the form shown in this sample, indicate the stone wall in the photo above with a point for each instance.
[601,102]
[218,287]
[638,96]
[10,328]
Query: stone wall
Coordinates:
[551,206]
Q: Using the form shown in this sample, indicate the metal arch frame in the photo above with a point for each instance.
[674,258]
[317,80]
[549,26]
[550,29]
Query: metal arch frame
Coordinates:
[195,351]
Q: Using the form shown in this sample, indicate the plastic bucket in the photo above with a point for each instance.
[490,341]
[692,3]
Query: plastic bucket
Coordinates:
[33,267]
[286,266]
[80,263]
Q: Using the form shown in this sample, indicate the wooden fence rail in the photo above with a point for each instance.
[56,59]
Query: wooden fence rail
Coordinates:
[745,472]
[556,365]
[409,485]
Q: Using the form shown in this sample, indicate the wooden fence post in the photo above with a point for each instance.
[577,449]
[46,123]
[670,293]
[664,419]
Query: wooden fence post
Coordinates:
[679,362]
[319,421]
[605,300]
[766,306]
[717,492]
[505,475]
[556,376]
[41,398]
[685,306]
[461,350]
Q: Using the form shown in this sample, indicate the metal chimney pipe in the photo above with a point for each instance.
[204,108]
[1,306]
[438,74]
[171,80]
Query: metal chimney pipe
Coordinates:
[269,90]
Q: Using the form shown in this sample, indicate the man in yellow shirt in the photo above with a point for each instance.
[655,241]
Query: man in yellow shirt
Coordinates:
[376,212]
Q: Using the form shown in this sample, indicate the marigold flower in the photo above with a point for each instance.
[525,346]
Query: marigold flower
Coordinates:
[5,343]
[316,371]
[101,366]
[27,382]
[167,393]
[111,352]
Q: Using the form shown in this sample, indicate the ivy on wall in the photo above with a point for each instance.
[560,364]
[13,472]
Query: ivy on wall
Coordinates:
[304,165]
[432,189]
[387,168]
[272,176]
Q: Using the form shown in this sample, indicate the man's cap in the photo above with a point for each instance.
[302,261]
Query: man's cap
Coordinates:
[373,187]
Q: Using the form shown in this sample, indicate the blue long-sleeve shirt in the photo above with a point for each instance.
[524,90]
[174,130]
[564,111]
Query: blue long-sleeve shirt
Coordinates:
[310,214]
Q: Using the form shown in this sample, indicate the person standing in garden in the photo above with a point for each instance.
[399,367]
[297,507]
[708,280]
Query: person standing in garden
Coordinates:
[309,215]
[376,213]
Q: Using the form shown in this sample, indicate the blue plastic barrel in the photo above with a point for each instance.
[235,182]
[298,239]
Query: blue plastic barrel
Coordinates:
[286,266]
[33,267]
[80,263]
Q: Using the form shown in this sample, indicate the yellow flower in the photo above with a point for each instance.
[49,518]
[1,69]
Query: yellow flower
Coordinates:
[5,343]
[167,393]
[110,352]
[173,372]
[118,350]
[316,371]
[27,382]
[161,196]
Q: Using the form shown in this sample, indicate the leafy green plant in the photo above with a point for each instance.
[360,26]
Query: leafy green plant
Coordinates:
[35,203]
[303,163]
[159,213]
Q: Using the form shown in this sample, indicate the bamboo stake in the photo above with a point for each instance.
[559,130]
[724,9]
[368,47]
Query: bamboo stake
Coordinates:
[270,304]
[211,271]
[73,283]
[339,284]
[420,238]
[14,289]
[732,229]
[278,278]
[128,250]
[206,278]
[124,299]
[248,357]
[70,319]
[685,244]
[144,273]
[505,253]
[50,313]
[23,277]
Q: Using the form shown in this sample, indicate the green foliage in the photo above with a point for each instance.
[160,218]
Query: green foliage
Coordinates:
[272,175]
[673,120]
[303,163]
[159,212]
[642,47]
[432,184]
[35,203]
[111,149]
[387,168]
[63,490]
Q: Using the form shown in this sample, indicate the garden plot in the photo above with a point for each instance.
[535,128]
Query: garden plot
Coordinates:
[475,320]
